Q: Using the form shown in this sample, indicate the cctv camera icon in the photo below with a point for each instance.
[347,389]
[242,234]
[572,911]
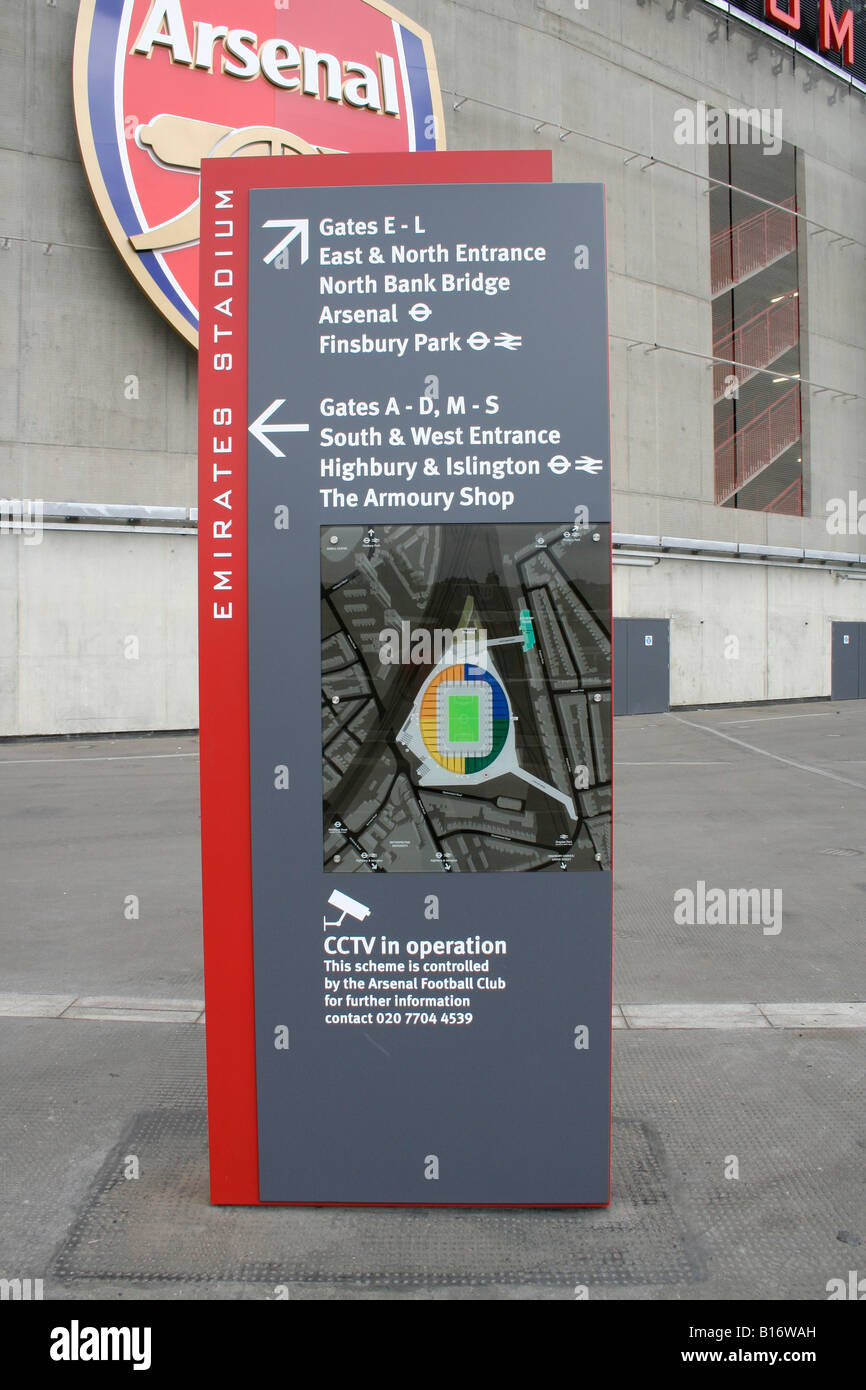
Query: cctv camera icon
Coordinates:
[346,905]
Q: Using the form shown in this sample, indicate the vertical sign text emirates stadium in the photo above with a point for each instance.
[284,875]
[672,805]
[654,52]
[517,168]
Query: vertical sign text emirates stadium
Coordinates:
[161,85]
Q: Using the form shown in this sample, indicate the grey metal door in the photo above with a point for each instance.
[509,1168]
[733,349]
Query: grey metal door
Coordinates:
[848,679]
[641,665]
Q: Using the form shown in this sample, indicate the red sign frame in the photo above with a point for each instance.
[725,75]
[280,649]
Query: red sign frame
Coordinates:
[223,611]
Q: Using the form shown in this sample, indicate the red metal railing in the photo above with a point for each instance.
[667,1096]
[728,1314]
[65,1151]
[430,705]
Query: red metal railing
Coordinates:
[743,453]
[766,496]
[752,244]
[758,342]
[790,501]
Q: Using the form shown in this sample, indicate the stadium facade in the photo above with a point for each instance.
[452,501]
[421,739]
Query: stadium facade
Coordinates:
[730,141]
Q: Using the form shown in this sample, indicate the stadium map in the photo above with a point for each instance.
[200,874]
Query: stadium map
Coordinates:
[466,704]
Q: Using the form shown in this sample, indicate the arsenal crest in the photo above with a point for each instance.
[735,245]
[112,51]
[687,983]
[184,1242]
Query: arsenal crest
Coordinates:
[161,85]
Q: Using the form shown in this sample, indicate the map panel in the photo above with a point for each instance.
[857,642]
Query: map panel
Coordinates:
[466,704]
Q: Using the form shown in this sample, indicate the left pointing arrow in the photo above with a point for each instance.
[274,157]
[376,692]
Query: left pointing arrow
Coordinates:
[260,429]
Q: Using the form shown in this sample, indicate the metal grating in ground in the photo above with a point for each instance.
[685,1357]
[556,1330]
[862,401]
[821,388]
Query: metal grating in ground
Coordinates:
[135,1231]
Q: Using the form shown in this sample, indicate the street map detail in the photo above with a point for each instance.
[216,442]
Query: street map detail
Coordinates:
[466,698]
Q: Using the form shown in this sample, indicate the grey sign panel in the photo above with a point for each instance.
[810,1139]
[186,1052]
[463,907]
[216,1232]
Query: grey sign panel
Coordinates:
[430,695]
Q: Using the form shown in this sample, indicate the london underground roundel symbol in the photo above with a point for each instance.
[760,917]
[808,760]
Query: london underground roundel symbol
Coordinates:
[161,85]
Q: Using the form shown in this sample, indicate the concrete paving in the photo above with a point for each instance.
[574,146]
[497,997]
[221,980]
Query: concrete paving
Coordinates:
[738,1053]
[85,826]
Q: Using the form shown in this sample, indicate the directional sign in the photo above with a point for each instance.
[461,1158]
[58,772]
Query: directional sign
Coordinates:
[442,668]
[425,661]
[260,428]
[298,228]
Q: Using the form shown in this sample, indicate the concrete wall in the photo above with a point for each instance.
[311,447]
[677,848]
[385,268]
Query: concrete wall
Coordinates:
[98,633]
[76,327]
[742,632]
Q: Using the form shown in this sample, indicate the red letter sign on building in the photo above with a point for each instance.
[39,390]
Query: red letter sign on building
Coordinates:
[836,35]
[788,18]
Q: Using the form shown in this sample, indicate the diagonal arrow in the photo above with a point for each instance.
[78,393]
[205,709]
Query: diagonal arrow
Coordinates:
[299,227]
[260,429]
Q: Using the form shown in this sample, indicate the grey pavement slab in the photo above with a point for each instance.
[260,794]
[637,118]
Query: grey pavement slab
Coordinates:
[23,1005]
[79,1104]
[802,1015]
[107,819]
[747,822]
[720,1016]
[775,1082]
[85,827]
[133,1015]
[86,824]
[823,1015]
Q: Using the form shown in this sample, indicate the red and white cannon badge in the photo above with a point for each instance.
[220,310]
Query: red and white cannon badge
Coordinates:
[161,85]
